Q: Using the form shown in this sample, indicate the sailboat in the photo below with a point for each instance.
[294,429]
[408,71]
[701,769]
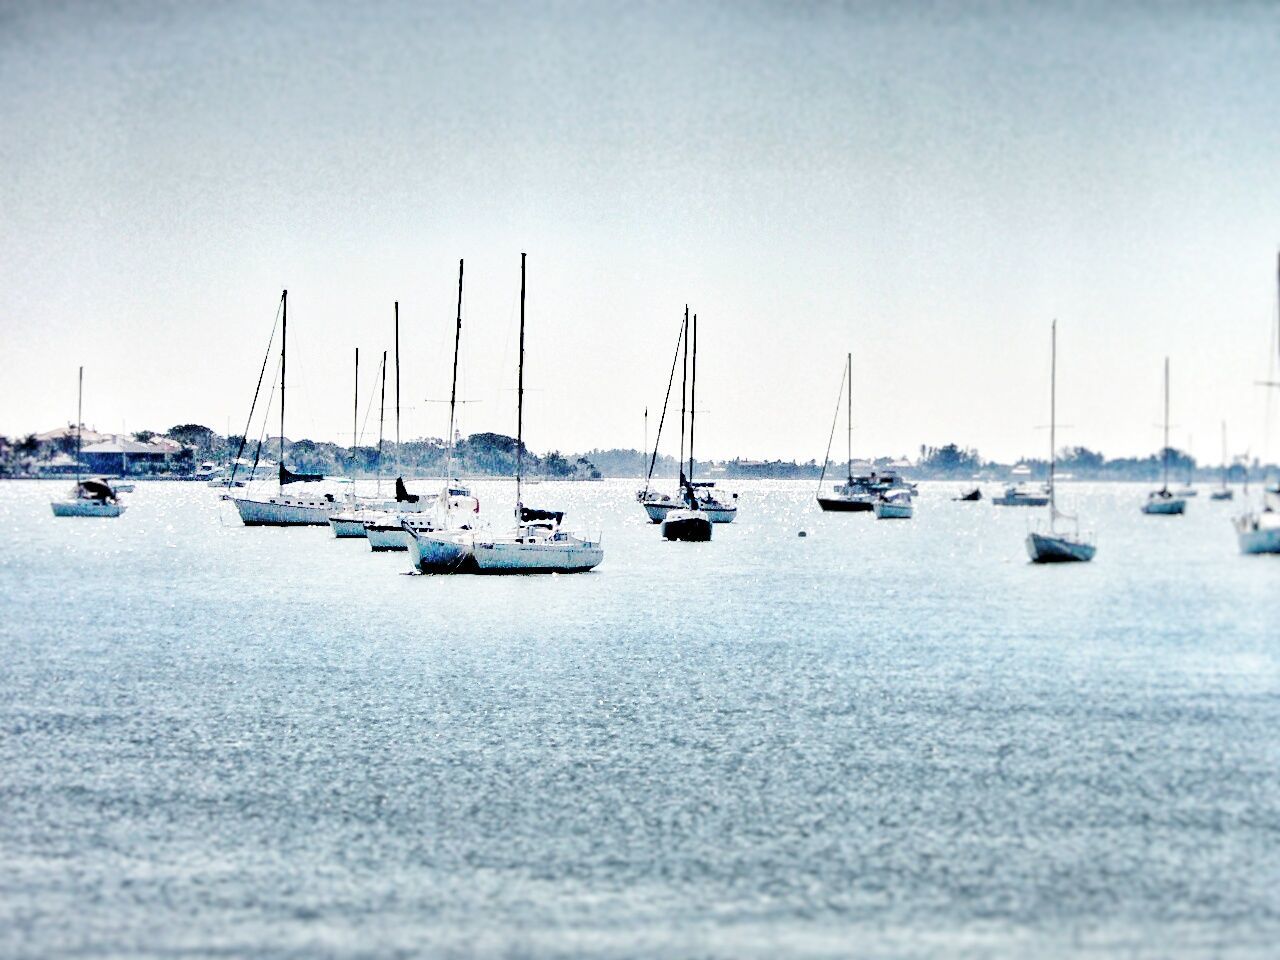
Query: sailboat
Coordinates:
[1162,502]
[1258,531]
[88,498]
[349,523]
[686,522]
[859,493]
[716,504]
[1224,492]
[453,508]
[1054,546]
[282,510]
[538,544]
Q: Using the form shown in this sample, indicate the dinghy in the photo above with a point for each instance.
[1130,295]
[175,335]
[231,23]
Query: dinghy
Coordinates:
[894,506]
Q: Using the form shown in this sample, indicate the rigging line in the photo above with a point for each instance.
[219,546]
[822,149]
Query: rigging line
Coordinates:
[835,418]
[670,380]
[266,416]
[244,437]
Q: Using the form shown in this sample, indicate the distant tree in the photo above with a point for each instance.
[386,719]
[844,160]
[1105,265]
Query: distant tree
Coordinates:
[144,436]
[949,460]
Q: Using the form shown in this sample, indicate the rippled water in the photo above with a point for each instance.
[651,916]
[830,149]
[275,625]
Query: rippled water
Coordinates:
[883,739]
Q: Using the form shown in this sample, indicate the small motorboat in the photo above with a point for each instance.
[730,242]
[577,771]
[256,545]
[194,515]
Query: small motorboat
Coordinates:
[969,496]
[894,506]
[1018,495]
[1225,494]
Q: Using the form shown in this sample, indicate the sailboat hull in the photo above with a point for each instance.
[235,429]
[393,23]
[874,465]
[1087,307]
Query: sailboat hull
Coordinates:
[441,553]
[893,511]
[1258,534]
[1046,548]
[86,508]
[1222,495]
[385,537]
[347,526]
[1170,507]
[861,504]
[285,512]
[658,510]
[687,526]
[541,556]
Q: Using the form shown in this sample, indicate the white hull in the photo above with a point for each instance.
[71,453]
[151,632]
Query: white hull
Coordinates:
[383,537]
[441,552]
[1051,548]
[1258,533]
[347,526]
[658,510]
[892,511]
[1165,507]
[86,508]
[286,511]
[560,553]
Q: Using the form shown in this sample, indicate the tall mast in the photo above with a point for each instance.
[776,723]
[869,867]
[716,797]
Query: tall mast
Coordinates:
[453,391]
[693,394]
[684,392]
[284,342]
[79,421]
[397,387]
[519,393]
[1224,454]
[848,435]
[1165,452]
[382,409]
[1053,421]
[355,416]
[645,448]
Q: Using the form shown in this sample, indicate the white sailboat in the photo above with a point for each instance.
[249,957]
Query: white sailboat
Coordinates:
[718,505]
[1224,492]
[854,495]
[88,498]
[1162,502]
[686,522]
[283,510]
[894,506]
[1258,531]
[538,544]
[1053,545]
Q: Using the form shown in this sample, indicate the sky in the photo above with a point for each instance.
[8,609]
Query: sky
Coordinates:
[924,185]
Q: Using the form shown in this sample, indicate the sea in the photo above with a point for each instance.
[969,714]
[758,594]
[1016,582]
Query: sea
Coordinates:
[818,735]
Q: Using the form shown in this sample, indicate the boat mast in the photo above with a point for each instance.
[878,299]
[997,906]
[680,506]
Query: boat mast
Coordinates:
[79,422]
[284,342]
[684,396]
[397,388]
[1053,422]
[1224,454]
[645,448]
[671,379]
[519,393]
[453,390]
[1165,486]
[355,419]
[382,409]
[848,435]
[693,395]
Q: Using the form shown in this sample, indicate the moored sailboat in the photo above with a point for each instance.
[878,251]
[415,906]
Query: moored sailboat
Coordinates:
[686,523]
[88,498]
[283,510]
[1053,545]
[1224,492]
[855,495]
[1258,531]
[1163,502]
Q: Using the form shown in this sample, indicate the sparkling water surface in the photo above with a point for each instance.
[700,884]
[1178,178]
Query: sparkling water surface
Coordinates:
[887,738]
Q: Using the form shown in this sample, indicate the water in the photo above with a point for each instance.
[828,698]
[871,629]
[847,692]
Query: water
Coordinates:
[886,738]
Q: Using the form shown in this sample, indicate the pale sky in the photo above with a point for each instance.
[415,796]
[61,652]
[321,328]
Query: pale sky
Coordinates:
[925,184]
